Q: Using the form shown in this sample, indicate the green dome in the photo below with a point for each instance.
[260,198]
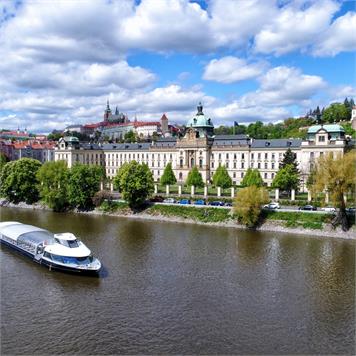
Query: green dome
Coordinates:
[200,120]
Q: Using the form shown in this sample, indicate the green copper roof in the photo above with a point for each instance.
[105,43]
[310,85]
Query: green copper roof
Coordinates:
[199,120]
[328,128]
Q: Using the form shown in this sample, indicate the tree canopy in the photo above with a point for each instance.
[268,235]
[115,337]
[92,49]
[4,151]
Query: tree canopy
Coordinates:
[286,178]
[83,183]
[336,175]
[248,202]
[18,180]
[168,176]
[290,158]
[336,112]
[221,178]
[135,183]
[194,178]
[252,177]
[53,184]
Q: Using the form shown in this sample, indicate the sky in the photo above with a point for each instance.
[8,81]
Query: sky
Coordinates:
[245,60]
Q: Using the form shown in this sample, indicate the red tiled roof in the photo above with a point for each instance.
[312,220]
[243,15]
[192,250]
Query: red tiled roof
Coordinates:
[146,123]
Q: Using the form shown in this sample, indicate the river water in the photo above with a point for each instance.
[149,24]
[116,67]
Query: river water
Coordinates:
[169,288]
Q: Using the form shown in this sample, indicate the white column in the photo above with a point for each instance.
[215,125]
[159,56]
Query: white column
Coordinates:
[112,187]
[232,192]
[309,195]
[179,189]
[219,191]
[206,191]
[345,198]
[276,198]
[326,197]
[156,189]
[293,195]
[192,190]
[101,185]
[167,189]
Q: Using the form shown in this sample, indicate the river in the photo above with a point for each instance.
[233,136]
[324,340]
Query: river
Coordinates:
[169,288]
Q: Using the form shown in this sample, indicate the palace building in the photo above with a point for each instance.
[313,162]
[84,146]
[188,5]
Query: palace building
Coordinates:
[201,148]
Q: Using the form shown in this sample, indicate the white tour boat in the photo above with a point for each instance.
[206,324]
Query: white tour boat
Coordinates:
[57,251]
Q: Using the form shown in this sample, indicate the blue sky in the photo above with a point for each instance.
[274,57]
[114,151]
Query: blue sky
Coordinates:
[246,60]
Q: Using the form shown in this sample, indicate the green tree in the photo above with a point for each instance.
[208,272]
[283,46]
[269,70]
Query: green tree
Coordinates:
[248,204]
[83,183]
[168,176]
[336,112]
[221,178]
[18,181]
[289,158]
[286,178]
[130,137]
[53,184]
[252,177]
[3,160]
[135,183]
[195,178]
[336,174]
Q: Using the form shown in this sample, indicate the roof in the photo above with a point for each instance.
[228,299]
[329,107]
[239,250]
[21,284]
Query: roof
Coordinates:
[146,123]
[230,137]
[277,143]
[199,121]
[14,230]
[328,128]
[126,146]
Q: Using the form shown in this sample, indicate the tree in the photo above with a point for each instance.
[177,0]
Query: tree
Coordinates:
[53,184]
[248,202]
[221,178]
[18,181]
[336,175]
[3,160]
[83,183]
[194,178]
[336,112]
[252,177]
[286,179]
[135,183]
[130,137]
[289,158]
[168,176]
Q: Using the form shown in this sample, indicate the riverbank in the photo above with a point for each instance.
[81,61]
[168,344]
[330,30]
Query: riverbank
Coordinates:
[220,217]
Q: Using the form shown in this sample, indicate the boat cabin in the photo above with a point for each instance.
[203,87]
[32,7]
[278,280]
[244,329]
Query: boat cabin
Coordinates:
[66,239]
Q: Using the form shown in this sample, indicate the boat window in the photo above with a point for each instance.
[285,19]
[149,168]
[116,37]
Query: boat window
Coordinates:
[71,260]
[73,243]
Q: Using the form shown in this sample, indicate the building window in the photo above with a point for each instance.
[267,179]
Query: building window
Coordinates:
[265,175]
[266,155]
[259,156]
[242,156]
[227,164]
[212,164]
[180,176]
[242,165]
[235,156]
[252,156]
[227,156]
[321,138]
[265,165]
[242,174]
[200,163]
[219,155]
[259,165]
[192,162]
[234,164]
[181,163]
[272,155]
[212,156]
[272,175]
[272,165]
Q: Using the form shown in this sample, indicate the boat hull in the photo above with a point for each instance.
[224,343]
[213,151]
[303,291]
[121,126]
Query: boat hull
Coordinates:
[50,265]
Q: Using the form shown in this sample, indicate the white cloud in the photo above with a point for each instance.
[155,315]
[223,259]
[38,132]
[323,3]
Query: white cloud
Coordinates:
[296,27]
[341,36]
[285,86]
[231,69]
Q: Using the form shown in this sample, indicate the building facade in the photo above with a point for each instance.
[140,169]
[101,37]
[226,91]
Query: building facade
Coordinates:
[200,148]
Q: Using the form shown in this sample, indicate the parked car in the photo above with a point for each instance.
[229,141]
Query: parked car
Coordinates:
[199,202]
[157,199]
[351,210]
[272,206]
[307,207]
[184,201]
[216,203]
[329,209]
[228,204]
[169,201]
